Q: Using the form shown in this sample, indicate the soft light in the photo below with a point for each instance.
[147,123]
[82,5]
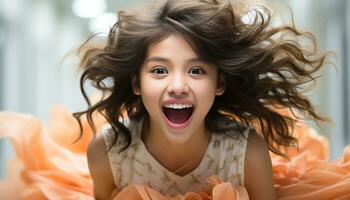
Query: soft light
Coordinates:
[88,8]
[103,22]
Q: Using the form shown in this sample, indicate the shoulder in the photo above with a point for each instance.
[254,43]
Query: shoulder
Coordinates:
[258,168]
[256,145]
[97,150]
[99,166]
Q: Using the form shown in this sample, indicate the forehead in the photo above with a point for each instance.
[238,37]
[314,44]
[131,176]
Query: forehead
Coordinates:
[173,46]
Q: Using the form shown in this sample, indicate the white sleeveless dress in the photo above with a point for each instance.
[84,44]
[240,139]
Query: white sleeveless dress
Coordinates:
[224,157]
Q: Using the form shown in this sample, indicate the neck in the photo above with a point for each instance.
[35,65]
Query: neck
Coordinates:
[186,155]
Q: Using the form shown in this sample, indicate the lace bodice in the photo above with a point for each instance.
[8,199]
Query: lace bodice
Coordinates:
[224,157]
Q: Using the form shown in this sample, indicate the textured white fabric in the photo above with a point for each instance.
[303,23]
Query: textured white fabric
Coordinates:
[224,157]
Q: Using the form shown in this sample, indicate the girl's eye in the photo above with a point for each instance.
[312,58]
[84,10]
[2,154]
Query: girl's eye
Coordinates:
[196,71]
[159,70]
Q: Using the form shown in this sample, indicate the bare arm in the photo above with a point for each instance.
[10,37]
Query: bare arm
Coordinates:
[100,169]
[258,169]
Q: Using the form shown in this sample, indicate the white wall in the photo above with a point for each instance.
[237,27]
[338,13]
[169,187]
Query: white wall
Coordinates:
[35,36]
[329,21]
[33,77]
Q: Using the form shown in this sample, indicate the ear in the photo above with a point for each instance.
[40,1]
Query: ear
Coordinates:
[135,83]
[220,85]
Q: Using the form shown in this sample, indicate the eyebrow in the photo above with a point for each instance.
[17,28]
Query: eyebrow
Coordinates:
[162,59]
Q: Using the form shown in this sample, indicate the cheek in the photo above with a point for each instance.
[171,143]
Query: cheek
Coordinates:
[151,87]
[206,87]
[150,93]
[205,92]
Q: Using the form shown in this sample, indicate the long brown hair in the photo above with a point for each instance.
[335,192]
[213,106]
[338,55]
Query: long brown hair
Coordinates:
[261,69]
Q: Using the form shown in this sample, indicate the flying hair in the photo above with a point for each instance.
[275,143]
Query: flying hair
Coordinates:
[262,69]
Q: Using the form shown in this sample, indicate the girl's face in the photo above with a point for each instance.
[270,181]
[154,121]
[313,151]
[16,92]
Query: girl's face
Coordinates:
[177,89]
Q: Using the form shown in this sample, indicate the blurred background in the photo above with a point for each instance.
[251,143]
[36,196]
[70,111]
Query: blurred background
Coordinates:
[37,35]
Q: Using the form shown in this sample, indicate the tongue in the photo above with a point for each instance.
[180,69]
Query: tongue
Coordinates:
[178,116]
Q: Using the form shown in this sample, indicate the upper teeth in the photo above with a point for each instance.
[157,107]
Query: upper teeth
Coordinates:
[178,106]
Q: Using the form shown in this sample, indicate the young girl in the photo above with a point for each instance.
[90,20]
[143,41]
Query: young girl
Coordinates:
[183,84]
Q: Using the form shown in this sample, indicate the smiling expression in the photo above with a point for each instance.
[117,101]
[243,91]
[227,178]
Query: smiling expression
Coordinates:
[173,80]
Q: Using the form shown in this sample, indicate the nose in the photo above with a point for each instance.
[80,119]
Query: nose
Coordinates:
[178,85]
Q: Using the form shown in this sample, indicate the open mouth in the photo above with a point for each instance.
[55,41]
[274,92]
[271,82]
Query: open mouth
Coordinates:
[178,113]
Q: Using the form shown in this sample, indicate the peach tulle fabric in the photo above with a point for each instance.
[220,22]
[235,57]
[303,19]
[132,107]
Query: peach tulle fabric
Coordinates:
[49,165]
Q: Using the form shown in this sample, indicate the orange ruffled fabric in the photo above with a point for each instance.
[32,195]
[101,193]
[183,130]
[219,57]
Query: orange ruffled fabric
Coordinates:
[308,175]
[49,165]
[218,190]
